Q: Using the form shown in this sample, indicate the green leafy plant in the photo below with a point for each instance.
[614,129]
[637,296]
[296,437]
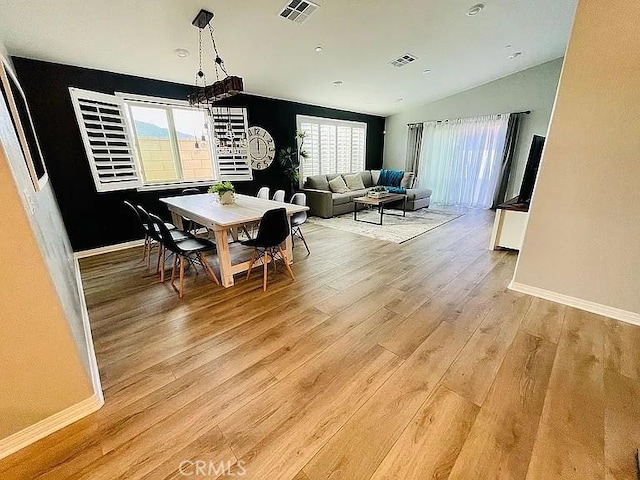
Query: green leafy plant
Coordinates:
[378,189]
[222,187]
[289,158]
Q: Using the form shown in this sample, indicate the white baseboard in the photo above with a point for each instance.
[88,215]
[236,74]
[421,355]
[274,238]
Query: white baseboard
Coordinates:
[118,246]
[605,310]
[91,353]
[45,427]
[108,248]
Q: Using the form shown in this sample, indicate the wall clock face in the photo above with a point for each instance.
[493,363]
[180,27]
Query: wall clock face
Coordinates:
[262,148]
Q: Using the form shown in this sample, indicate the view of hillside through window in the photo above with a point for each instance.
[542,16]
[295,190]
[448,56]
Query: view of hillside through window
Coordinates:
[173,144]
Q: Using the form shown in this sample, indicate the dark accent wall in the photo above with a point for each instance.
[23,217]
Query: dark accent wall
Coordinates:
[97,219]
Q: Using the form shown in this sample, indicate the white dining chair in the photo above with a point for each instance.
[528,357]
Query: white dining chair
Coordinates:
[297,219]
[278,196]
[263,193]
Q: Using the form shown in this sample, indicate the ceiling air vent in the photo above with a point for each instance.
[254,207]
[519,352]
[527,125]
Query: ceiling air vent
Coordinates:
[298,10]
[405,59]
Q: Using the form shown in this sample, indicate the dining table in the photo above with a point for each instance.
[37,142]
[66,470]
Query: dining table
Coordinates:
[225,220]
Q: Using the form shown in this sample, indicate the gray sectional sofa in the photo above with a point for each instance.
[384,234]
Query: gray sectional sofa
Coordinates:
[324,203]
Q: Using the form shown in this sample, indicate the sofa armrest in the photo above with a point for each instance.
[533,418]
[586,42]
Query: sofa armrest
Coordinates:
[320,202]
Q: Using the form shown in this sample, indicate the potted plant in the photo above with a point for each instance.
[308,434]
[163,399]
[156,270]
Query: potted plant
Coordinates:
[289,159]
[225,192]
[378,192]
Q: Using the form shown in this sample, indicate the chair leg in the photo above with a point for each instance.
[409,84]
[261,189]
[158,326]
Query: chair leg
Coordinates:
[272,254]
[253,260]
[173,269]
[265,264]
[149,245]
[304,241]
[144,248]
[159,257]
[286,263]
[164,261]
[181,276]
[207,268]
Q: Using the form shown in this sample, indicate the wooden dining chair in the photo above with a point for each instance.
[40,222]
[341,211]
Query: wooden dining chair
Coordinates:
[184,251]
[154,234]
[274,230]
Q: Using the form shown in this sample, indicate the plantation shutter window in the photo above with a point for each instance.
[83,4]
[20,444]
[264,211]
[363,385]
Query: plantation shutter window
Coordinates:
[107,140]
[333,146]
[231,144]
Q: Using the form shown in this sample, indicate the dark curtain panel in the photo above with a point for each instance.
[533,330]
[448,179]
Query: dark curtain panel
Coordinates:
[414,143]
[508,153]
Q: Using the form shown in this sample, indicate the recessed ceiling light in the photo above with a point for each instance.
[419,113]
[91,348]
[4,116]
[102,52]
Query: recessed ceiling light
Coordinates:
[476,9]
[508,45]
[426,71]
[514,55]
[399,99]
[181,52]
[337,83]
[318,48]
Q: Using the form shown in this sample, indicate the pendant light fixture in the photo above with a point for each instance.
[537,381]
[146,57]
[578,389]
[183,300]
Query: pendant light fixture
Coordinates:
[205,95]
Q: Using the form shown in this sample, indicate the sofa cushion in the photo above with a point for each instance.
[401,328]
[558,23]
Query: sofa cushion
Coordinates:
[354,181]
[407,180]
[318,182]
[340,198]
[366,179]
[337,185]
[331,176]
[418,193]
[357,193]
[375,176]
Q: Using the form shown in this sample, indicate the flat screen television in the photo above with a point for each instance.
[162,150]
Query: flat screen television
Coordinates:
[531,170]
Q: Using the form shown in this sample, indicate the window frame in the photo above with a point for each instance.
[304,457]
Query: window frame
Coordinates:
[167,105]
[113,154]
[300,119]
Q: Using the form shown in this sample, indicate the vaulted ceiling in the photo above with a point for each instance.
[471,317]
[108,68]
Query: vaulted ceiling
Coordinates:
[277,57]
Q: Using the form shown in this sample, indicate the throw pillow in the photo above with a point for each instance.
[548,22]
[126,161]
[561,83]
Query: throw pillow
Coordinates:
[390,178]
[407,180]
[337,185]
[318,182]
[354,181]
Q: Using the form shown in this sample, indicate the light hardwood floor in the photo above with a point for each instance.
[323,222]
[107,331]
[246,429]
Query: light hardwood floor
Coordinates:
[381,361]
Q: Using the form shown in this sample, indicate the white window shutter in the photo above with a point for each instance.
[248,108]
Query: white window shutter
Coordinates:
[107,140]
[311,165]
[231,143]
[334,146]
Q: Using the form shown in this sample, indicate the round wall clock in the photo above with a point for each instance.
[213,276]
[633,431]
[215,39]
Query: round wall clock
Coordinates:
[262,148]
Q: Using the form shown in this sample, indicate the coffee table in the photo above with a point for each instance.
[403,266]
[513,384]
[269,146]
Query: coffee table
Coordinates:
[380,203]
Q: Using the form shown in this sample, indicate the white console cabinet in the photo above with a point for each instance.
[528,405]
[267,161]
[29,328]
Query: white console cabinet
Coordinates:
[509,226]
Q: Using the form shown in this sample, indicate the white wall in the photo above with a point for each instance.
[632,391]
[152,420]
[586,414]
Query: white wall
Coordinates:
[583,237]
[533,89]
[44,359]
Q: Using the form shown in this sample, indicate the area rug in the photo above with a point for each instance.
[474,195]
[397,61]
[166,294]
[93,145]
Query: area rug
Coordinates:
[396,229]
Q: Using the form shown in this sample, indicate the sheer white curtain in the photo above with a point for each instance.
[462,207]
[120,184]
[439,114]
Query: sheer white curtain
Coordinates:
[461,159]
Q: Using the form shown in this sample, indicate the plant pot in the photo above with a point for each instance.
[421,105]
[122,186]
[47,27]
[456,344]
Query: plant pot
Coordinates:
[226,198]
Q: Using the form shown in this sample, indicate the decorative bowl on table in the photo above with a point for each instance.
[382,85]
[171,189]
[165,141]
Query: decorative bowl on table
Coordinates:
[377,192]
